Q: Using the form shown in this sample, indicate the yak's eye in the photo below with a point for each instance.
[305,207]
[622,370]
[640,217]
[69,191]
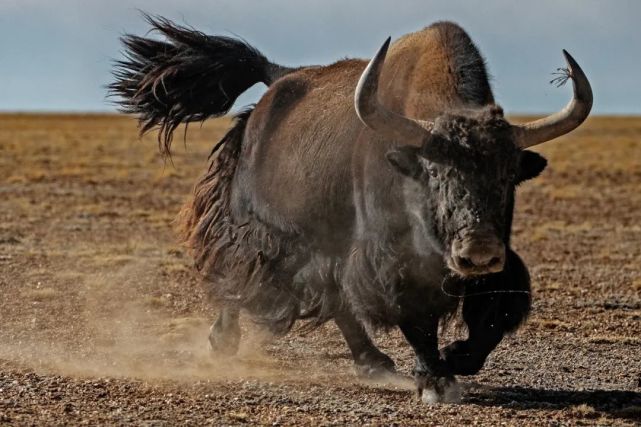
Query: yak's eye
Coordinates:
[433,172]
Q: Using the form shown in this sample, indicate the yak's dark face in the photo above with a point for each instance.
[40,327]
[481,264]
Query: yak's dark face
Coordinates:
[460,195]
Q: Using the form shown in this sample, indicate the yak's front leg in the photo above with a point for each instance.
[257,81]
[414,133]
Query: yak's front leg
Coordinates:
[434,379]
[497,305]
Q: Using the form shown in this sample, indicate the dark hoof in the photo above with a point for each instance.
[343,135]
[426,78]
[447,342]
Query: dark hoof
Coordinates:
[434,390]
[223,342]
[460,360]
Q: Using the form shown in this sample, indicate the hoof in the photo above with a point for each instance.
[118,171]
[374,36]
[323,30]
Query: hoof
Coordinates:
[439,390]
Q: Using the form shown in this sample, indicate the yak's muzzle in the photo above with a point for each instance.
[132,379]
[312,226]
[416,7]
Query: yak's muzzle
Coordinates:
[476,255]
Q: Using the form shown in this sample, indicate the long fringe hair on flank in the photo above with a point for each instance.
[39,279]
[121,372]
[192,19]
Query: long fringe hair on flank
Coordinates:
[250,265]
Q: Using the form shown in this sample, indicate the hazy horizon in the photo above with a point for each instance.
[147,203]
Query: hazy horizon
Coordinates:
[57,57]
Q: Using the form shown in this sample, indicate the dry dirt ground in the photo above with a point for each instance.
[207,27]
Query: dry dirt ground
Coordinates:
[102,321]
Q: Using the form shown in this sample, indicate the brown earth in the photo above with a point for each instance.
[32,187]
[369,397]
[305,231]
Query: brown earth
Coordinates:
[102,320]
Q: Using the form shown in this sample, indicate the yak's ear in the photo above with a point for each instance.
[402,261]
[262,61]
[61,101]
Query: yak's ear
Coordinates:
[531,164]
[405,160]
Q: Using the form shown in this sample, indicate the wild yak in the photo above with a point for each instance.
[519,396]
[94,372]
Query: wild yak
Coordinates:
[375,195]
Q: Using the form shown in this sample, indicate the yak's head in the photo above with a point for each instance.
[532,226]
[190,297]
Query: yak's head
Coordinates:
[462,168]
[461,185]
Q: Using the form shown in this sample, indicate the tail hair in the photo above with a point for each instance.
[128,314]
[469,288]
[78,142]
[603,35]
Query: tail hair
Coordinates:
[190,76]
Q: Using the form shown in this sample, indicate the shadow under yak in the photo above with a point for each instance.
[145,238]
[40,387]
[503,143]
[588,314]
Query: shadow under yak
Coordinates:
[616,403]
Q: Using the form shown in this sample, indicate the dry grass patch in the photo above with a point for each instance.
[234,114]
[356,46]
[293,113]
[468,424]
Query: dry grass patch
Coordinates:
[584,411]
[565,192]
[113,260]
[175,268]
[550,324]
[614,339]
[556,229]
[41,294]
[157,302]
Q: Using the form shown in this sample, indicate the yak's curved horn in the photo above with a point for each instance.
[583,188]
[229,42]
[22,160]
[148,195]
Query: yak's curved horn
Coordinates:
[567,119]
[374,115]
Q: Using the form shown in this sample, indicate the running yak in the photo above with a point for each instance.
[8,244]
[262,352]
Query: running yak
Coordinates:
[375,194]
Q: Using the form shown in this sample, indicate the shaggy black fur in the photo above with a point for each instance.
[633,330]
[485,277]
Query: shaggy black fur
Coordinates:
[191,76]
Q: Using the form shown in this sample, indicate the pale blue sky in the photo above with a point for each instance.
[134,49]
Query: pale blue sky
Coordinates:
[55,55]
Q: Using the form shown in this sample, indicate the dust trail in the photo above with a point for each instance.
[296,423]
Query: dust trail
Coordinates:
[118,328]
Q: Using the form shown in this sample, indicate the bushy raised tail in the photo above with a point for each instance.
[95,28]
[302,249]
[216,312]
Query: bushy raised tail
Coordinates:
[190,76]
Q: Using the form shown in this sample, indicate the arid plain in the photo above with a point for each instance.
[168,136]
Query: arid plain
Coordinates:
[103,321]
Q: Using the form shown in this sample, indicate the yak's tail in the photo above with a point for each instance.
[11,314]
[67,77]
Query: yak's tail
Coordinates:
[190,76]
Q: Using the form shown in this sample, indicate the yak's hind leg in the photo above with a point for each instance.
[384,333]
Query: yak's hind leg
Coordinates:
[267,295]
[369,361]
[490,316]
[224,334]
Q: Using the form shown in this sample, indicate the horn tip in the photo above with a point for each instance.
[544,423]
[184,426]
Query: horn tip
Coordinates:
[570,60]
[383,50]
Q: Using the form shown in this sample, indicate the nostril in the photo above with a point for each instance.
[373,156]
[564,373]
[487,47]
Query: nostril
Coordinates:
[465,262]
